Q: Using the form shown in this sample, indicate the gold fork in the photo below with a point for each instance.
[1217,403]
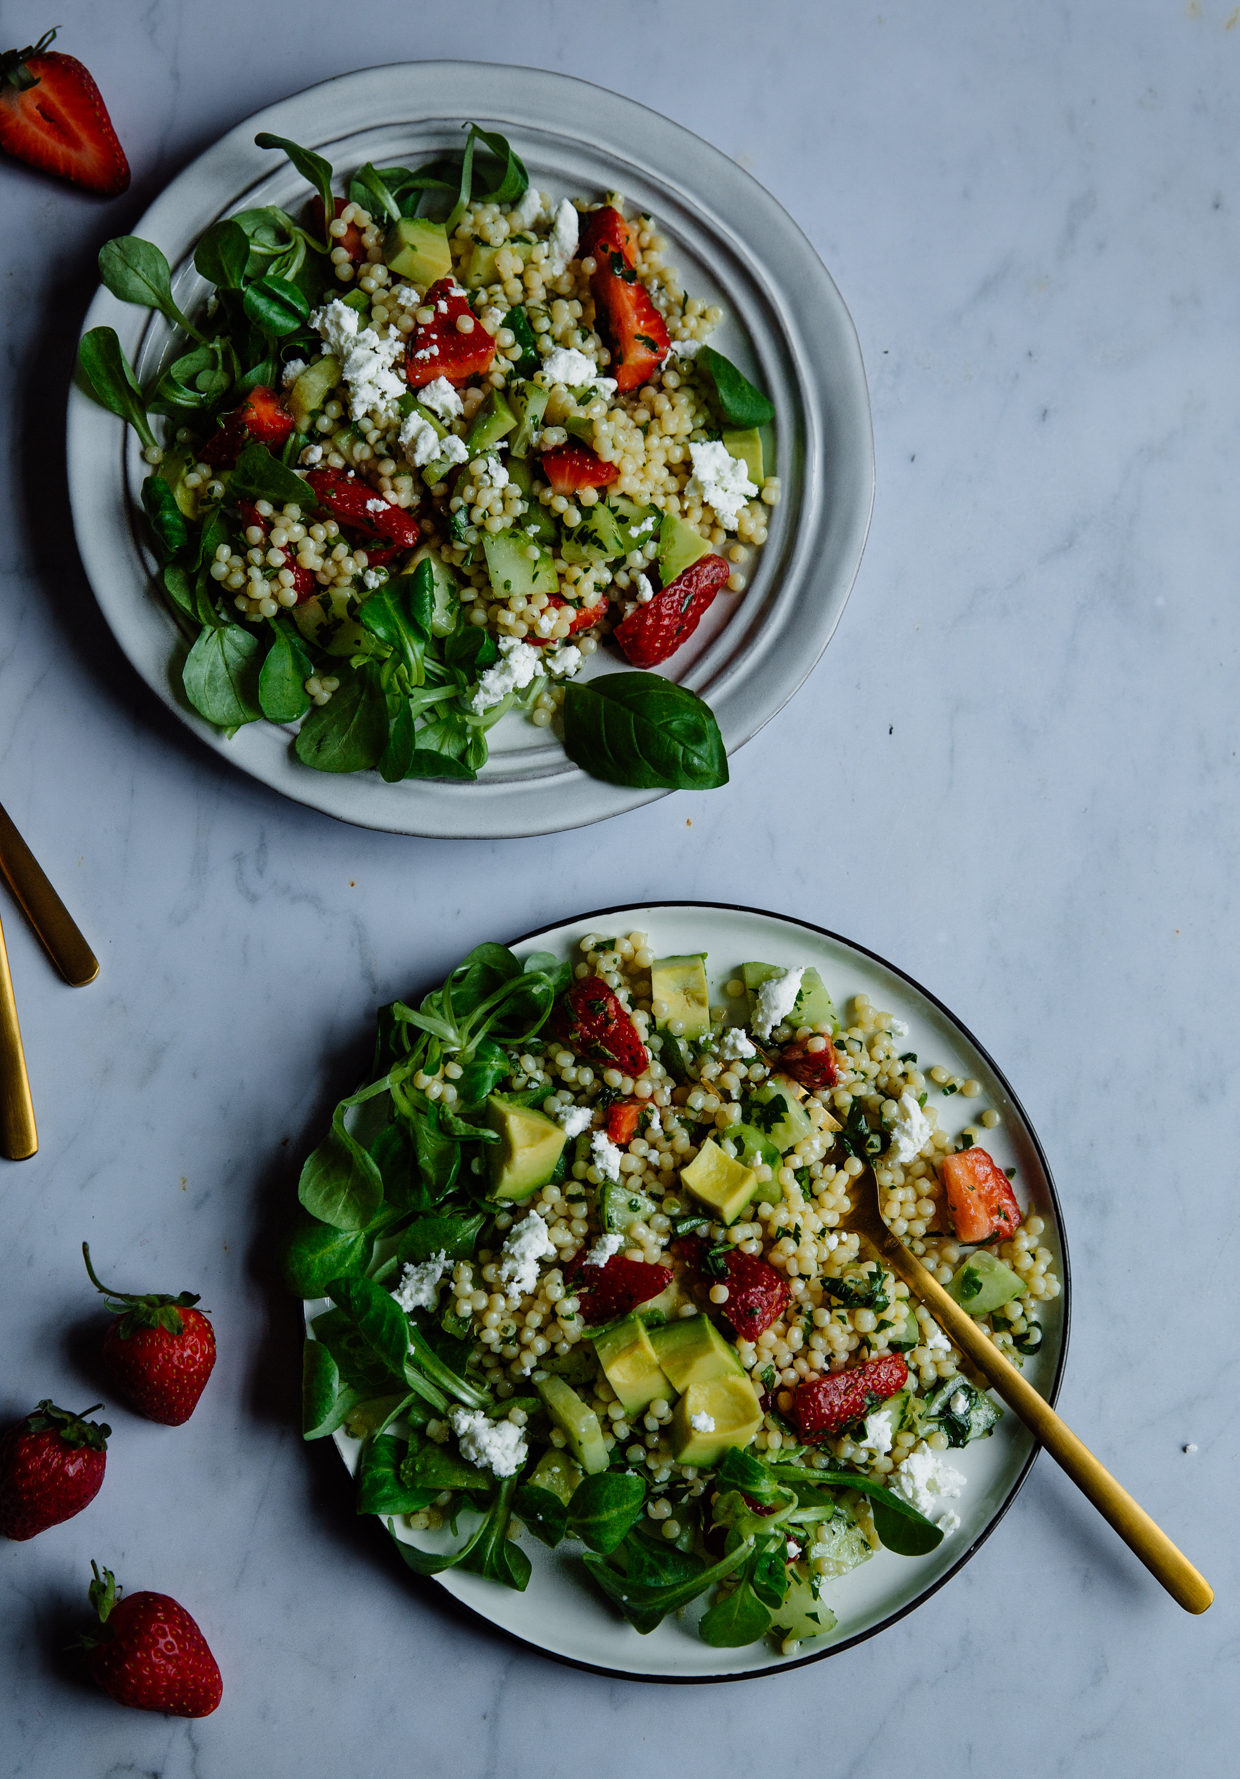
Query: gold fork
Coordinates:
[1146,1540]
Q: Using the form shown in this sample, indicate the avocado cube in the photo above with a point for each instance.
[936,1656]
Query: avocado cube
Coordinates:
[724,1185]
[680,546]
[691,1350]
[418,250]
[680,984]
[630,1366]
[746,447]
[813,1005]
[780,1114]
[578,1423]
[712,1417]
[556,1472]
[529,1148]
[982,1283]
[312,388]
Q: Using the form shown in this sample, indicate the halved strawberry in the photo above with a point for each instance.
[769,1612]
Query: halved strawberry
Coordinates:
[656,630]
[351,240]
[592,1020]
[625,314]
[616,1288]
[382,530]
[757,1293]
[439,349]
[53,117]
[622,1122]
[583,619]
[572,467]
[980,1199]
[261,416]
[826,1404]
[812,1068]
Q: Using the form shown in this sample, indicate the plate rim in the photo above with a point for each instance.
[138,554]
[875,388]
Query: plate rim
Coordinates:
[521,807]
[786,1665]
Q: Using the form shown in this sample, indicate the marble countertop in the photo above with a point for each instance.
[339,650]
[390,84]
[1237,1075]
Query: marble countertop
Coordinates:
[1013,773]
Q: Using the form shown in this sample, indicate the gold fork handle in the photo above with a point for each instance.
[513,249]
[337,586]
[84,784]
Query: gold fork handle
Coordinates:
[1146,1540]
[55,926]
[18,1137]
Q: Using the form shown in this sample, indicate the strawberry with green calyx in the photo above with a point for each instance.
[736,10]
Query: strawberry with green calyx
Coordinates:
[51,1467]
[149,1653]
[159,1351]
[53,117]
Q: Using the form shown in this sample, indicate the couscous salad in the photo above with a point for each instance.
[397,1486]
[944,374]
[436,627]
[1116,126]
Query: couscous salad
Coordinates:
[583,1272]
[424,450]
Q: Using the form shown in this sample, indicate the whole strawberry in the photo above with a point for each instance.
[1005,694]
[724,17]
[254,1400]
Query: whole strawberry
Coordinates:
[149,1653]
[159,1351]
[51,1467]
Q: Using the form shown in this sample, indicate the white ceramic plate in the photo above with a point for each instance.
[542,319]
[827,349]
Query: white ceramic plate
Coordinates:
[732,242]
[560,1612]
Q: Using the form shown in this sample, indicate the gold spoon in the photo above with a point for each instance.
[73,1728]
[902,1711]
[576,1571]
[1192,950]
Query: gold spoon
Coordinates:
[43,908]
[19,1138]
[1146,1540]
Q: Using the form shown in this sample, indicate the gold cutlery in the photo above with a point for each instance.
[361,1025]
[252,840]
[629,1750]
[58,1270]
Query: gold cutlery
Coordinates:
[43,908]
[1146,1540]
[18,1136]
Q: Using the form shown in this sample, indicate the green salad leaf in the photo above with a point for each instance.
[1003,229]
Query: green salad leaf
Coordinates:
[112,382]
[137,272]
[221,676]
[739,403]
[642,730]
[313,168]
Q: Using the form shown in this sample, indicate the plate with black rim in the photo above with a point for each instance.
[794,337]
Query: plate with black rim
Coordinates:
[786,325]
[561,1613]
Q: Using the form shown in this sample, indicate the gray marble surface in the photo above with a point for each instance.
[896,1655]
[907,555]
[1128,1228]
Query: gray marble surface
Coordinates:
[1014,773]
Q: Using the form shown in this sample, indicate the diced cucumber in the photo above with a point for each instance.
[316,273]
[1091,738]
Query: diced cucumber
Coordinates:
[778,1111]
[621,1207]
[638,525]
[961,1412]
[813,1005]
[578,1423]
[493,422]
[312,388]
[529,404]
[982,1283]
[513,570]
[481,268]
[595,539]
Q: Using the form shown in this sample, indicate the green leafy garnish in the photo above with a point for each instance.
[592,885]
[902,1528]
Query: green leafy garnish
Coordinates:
[739,403]
[642,730]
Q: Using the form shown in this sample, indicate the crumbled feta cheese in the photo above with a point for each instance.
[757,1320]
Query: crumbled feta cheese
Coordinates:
[937,1342]
[879,1432]
[959,1403]
[911,1130]
[419,441]
[720,481]
[702,1422]
[365,360]
[311,455]
[292,371]
[899,1028]
[572,1120]
[496,474]
[418,1286]
[562,242]
[442,399]
[654,1122]
[563,661]
[336,325]
[572,368]
[734,1045]
[605,1155]
[374,578]
[521,663]
[528,210]
[498,1446]
[684,348]
[603,1249]
[775,1001]
[526,1246]
[925,1481]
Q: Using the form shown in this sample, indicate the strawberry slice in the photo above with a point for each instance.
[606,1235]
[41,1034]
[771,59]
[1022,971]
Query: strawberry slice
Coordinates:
[826,1404]
[616,1288]
[439,349]
[584,619]
[574,466]
[591,1019]
[656,630]
[351,240]
[383,531]
[261,416]
[304,583]
[625,314]
[53,117]
[622,1122]
[757,1294]
[812,1068]
[980,1200]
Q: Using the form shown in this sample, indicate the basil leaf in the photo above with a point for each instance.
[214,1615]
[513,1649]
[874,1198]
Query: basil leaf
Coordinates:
[604,1508]
[350,733]
[639,729]
[221,254]
[112,382]
[376,1318]
[315,1254]
[313,168]
[260,476]
[221,676]
[325,1401]
[740,404]
[167,519]
[282,693]
[544,1513]
[137,272]
[380,1486]
[340,1183]
[275,306]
